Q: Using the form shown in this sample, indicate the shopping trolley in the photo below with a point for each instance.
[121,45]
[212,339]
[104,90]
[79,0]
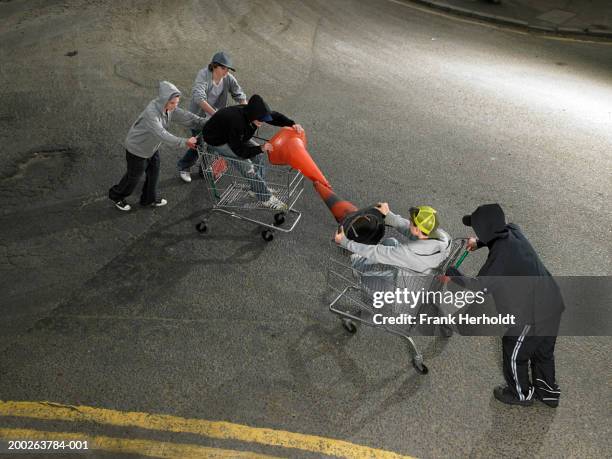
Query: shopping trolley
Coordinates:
[237,187]
[353,281]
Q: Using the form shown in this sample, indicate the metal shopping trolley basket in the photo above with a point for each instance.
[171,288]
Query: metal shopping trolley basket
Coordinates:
[358,289]
[239,188]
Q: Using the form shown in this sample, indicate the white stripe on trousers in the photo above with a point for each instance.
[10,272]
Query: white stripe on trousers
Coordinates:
[550,389]
[517,346]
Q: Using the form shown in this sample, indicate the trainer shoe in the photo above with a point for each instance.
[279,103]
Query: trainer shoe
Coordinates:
[122,205]
[274,203]
[553,402]
[159,203]
[505,395]
[185,176]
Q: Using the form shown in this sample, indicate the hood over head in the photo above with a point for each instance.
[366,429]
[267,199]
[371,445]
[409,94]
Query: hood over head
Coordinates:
[257,109]
[167,91]
[488,221]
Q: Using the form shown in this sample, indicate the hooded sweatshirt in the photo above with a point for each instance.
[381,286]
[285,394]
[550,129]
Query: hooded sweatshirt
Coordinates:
[421,255]
[149,130]
[527,289]
[234,126]
[202,85]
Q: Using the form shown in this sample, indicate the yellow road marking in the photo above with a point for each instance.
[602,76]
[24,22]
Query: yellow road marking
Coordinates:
[212,429]
[127,445]
[482,23]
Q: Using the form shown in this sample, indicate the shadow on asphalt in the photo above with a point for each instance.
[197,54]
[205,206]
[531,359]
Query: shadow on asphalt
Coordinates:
[371,394]
[508,434]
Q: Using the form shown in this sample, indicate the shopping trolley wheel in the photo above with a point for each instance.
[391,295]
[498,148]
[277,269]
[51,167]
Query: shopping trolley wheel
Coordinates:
[267,235]
[279,218]
[201,172]
[349,326]
[420,367]
[202,227]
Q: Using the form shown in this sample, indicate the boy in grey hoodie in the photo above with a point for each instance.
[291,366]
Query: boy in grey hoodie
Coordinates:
[213,84]
[427,248]
[143,142]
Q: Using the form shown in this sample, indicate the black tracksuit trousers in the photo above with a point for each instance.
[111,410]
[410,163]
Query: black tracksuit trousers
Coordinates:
[136,167]
[532,345]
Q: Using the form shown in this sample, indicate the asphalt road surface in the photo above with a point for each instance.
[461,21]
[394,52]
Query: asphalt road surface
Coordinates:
[137,312]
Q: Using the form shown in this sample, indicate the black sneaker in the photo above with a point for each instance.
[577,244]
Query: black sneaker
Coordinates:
[505,395]
[122,205]
[553,402]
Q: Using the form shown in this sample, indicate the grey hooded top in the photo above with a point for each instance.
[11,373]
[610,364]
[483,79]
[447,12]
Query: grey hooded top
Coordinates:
[149,130]
[202,85]
[421,256]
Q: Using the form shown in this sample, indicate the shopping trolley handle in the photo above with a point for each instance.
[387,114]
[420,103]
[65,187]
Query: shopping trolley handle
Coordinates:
[465,253]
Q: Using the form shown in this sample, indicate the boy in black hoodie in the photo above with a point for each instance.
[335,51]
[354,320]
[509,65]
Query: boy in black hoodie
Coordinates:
[229,133]
[527,291]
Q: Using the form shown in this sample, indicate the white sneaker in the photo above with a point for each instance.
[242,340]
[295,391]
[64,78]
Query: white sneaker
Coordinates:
[185,176]
[122,205]
[274,203]
[162,202]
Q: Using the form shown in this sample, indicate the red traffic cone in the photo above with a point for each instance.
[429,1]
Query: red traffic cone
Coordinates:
[338,207]
[290,149]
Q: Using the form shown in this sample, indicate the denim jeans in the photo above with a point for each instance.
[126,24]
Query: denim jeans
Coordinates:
[252,169]
[373,280]
[136,166]
[189,158]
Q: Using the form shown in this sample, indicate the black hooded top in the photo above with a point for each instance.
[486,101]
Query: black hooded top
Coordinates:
[487,221]
[234,126]
[527,288]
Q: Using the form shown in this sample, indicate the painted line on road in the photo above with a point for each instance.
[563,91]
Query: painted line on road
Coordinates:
[496,26]
[124,445]
[212,429]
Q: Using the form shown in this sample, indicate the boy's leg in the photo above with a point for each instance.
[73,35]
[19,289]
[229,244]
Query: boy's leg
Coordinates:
[247,169]
[517,348]
[543,365]
[149,189]
[189,158]
[135,168]
[373,280]
[259,162]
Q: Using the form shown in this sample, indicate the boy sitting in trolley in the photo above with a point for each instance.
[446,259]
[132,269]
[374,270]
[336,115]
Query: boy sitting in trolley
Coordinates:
[428,246]
[229,133]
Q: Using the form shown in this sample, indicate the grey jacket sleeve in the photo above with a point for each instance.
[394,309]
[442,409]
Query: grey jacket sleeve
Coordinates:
[398,222]
[199,92]
[388,255]
[235,90]
[154,125]
[375,253]
[188,119]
